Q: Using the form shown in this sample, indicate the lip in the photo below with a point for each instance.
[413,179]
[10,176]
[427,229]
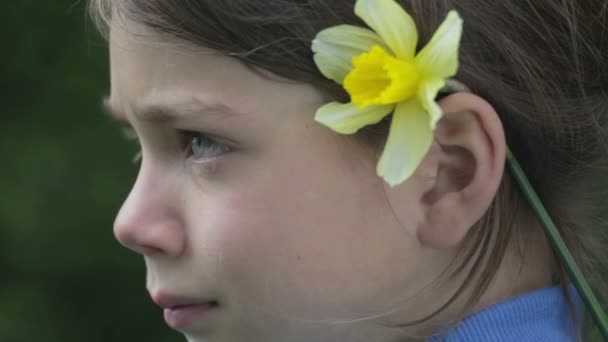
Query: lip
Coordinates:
[182,312]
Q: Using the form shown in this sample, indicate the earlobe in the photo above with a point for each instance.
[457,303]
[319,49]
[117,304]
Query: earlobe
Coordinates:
[470,164]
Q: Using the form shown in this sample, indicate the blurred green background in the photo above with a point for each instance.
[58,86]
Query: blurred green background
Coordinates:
[64,277]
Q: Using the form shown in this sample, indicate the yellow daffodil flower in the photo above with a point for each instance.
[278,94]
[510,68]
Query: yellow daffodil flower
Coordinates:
[382,73]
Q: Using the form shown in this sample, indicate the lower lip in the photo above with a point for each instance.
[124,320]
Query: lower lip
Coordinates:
[184,316]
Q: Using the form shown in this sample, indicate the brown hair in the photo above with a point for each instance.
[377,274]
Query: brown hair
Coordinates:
[539,63]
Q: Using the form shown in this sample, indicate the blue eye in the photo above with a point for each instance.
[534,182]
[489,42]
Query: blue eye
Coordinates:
[202,147]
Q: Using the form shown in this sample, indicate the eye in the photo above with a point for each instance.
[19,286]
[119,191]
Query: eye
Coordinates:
[129,134]
[202,147]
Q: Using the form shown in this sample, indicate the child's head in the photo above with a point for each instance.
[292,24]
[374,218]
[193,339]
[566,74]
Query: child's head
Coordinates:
[242,198]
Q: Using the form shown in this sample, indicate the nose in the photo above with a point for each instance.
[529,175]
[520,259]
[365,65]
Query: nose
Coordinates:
[148,222]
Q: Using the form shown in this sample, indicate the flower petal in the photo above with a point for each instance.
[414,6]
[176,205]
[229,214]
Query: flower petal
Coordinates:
[392,23]
[439,58]
[347,118]
[409,139]
[336,46]
[427,92]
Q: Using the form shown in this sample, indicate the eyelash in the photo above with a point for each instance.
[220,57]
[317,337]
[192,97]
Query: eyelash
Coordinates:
[187,139]
[130,135]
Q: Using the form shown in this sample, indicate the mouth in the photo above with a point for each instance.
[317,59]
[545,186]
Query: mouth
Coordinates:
[182,312]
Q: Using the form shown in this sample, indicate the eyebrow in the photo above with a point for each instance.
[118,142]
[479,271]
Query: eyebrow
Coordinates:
[169,113]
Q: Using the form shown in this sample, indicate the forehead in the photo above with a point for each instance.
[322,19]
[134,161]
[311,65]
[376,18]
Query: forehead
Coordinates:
[146,65]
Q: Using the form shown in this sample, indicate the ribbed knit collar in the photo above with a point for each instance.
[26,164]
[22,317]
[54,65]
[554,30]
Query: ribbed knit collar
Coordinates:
[541,315]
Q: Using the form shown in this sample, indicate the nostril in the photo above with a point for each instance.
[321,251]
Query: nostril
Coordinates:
[121,235]
[128,237]
[146,250]
[149,226]
[138,243]
[163,236]
[125,236]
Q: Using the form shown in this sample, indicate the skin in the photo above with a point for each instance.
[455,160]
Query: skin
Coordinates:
[292,231]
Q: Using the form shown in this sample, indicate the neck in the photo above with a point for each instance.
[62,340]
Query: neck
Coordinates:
[527,266]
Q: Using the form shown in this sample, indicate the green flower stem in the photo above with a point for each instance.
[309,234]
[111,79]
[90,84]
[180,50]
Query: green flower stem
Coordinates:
[558,243]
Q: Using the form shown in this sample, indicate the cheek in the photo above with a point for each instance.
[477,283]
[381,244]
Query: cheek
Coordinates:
[324,245]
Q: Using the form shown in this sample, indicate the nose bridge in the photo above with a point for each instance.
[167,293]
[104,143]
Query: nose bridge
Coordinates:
[148,221]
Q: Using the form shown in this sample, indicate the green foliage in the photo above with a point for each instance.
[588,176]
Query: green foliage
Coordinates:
[65,171]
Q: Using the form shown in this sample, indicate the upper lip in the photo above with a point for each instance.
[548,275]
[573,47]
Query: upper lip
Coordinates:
[168,301]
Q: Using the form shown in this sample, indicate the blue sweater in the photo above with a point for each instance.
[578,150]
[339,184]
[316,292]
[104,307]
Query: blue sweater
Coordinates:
[539,316]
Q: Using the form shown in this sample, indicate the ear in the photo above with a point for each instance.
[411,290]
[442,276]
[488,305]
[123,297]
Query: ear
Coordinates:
[470,164]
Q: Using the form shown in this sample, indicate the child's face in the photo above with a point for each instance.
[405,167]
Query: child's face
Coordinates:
[289,230]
